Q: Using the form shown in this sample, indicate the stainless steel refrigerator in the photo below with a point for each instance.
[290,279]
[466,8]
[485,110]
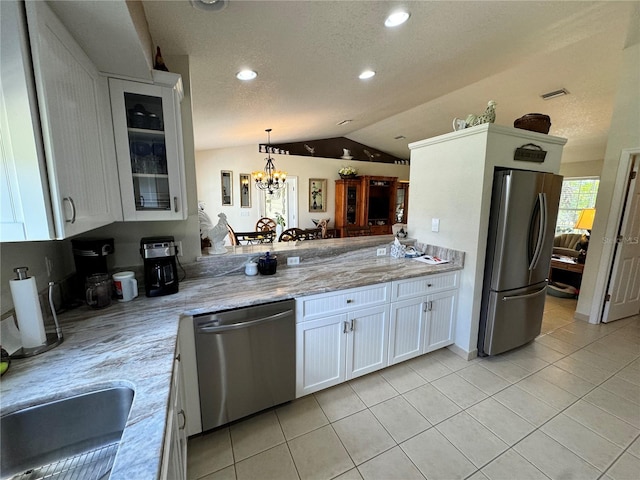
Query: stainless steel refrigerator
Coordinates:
[524,207]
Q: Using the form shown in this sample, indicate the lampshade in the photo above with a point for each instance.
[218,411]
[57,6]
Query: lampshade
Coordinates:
[585,220]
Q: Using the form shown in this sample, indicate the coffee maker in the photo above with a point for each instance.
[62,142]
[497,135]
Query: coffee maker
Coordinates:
[160,270]
[91,256]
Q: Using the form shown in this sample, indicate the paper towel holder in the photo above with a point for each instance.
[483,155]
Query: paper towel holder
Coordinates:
[53,338]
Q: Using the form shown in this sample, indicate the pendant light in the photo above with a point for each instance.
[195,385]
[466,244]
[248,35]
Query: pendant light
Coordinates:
[270,179]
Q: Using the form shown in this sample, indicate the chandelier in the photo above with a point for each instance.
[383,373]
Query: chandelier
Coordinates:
[270,179]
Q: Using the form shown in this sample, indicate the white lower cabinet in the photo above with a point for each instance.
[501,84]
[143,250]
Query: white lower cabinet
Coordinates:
[174,458]
[345,334]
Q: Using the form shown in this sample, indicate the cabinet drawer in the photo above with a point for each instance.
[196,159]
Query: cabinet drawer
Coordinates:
[324,304]
[413,287]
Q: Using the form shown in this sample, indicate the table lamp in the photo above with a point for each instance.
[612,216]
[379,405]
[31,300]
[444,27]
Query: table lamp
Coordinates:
[585,222]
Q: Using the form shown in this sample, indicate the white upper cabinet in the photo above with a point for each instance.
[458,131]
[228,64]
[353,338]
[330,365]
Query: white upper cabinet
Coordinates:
[148,135]
[59,172]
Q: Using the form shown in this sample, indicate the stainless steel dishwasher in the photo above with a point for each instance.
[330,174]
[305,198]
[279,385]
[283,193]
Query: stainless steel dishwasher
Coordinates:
[246,361]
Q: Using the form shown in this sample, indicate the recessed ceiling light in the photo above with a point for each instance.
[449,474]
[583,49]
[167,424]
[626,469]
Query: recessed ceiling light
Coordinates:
[210,5]
[366,74]
[344,122]
[397,18]
[246,75]
[554,94]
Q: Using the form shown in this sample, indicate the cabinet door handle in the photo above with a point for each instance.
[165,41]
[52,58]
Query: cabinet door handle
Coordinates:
[429,285]
[349,300]
[175,203]
[73,209]
[424,306]
[184,419]
[345,327]
[430,305]
[352,325]
[141,201]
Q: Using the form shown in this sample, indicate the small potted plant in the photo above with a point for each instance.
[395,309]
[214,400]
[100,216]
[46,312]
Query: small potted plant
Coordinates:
[348,172]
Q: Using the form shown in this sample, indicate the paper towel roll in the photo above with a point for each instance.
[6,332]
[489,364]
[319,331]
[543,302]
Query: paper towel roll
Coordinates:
[28,312]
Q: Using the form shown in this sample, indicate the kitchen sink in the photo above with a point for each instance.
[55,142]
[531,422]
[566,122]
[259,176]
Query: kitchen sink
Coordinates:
[75,437]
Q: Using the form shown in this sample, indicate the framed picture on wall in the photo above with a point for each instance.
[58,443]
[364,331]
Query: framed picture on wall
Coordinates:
[317,194]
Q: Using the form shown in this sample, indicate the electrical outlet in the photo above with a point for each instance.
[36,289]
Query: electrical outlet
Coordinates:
[381,252]
[293,260]
[179,248]
[435,224]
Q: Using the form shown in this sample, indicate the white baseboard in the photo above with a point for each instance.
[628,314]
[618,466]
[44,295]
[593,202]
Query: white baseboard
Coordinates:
[461,352]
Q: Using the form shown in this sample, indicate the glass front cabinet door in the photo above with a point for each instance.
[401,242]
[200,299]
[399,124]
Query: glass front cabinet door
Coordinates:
[148,135]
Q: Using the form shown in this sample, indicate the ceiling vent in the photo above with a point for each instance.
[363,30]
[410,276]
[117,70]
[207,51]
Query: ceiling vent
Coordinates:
[554,94]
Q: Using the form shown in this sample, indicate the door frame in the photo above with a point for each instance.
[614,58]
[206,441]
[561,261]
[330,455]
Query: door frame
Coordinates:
[614,218]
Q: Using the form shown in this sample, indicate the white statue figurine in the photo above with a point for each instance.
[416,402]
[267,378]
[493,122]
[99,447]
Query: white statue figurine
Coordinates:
[217,234]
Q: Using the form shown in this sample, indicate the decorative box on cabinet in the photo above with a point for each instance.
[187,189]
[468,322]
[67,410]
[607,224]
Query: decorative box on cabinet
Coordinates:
[148,135]
[342,336]
[58,177]
[422,315]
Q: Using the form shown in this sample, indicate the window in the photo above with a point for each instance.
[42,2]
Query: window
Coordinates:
[577,194]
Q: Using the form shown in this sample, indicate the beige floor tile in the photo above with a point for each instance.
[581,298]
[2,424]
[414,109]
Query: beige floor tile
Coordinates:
[504,423]
[630,374]
[625,468]
[428,367]
[352,474]
[584,370]
[339,401]
[373,389]
[511,466]
[483,379]
[402,378]
[320,454]
[475,441]
[273,464]
[459,390]
[592,358]
[255,435]
[478,476]
[533,350]
[623,389]
[431,403]
[301,416]
[504,368]
[228,473]
[565,380]
[604,424]
[392,464]
[585,443]
[201,461]
[400,419]
[525,405]
[615,353]
[363,436]
[634,448]
[554,460]
[547,392]
[573,338]
[436,458]
[615,405]
[451,360]
[556,344]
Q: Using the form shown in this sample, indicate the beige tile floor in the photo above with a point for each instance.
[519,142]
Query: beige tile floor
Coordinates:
[566,406]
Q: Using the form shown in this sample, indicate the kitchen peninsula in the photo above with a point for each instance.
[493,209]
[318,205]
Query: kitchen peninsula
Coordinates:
[133,344]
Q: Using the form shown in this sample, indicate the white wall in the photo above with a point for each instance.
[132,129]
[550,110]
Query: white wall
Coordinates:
[582,169]
[247,159]
[624,133]
[455,174]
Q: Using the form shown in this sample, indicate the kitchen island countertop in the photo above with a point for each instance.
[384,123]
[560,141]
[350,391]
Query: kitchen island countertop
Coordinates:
[133,344]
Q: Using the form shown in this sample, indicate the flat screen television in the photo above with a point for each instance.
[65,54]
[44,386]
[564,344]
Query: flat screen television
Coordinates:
[378,208]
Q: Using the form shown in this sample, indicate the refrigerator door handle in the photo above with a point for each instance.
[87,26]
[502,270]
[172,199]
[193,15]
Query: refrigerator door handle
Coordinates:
[528,295]
[542,230]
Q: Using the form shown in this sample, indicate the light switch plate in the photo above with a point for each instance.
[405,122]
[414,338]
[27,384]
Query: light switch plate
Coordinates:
[381,252]
[435,224]
[293,260]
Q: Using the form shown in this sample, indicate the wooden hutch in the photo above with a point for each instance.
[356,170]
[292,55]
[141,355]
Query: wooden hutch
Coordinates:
[366,201]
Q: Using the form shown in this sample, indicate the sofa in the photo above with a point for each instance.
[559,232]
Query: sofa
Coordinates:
[565,244]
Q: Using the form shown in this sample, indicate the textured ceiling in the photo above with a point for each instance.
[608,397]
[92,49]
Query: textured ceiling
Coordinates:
[448,60]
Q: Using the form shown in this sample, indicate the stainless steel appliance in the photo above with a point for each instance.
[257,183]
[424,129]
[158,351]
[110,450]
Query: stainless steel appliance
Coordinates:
[160,269]
[246,361]
[524,207]
[91,256]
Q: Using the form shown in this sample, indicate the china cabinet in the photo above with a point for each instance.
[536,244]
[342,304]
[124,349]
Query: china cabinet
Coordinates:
[148,135]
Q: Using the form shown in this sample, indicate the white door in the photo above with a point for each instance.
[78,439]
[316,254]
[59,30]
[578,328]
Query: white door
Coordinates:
[283,202]
[623,294]
[406,329]
[368,342]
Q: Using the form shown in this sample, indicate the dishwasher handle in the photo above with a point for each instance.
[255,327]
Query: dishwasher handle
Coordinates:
[213,327]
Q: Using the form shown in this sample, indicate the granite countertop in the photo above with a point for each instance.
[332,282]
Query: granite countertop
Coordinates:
[133,344]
